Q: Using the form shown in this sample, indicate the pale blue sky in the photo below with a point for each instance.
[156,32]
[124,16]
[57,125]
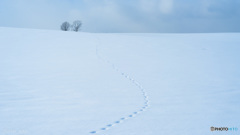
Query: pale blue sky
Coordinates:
[124,15]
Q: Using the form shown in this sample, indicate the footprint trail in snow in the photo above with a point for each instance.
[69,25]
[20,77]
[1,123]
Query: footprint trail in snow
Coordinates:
[130,115]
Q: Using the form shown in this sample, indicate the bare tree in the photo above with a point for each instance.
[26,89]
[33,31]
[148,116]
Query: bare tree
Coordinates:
[76,25]
[65,26]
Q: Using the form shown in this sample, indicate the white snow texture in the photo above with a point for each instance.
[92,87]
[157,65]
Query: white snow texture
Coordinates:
[66,83]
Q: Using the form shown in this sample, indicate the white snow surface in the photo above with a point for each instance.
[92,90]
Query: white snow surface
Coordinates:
[66,83]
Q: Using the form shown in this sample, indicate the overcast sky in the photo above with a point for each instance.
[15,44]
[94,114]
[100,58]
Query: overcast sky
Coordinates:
[124,15]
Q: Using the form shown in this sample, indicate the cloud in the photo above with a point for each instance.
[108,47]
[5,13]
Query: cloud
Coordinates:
[166,6]
[162,6]
[34,14]
[124,16]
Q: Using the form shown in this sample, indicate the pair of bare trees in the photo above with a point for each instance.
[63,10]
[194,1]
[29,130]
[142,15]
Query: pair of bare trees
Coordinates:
[66,26]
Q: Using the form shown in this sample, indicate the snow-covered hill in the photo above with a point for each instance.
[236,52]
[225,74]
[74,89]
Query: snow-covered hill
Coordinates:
[66,83]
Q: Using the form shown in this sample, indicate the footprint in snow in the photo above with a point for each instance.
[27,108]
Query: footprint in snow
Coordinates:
[110,125]
[93,132]
[130,116]
[117,121]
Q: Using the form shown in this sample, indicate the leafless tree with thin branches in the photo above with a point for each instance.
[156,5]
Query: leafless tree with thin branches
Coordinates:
[76,25]
[65,26]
